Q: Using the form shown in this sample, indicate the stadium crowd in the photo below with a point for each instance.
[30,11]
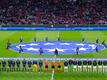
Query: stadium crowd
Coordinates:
[53,12]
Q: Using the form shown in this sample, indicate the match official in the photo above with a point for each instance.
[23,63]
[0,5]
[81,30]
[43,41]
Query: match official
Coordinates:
[52,65]
[46,65]
[59,66]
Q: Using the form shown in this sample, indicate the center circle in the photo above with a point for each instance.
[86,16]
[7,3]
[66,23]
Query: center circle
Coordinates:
[63,47]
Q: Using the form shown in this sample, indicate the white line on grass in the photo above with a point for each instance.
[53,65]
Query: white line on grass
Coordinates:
[52,78]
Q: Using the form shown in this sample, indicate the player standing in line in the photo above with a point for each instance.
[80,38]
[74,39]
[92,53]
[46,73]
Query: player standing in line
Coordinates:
[3,65]
[52,65]
[18,65]
[59,66]
[8,44]
[35,68]
[24,65]
[46,65]
[20,49]
[40,65]
[65,66]
[9,65]
[29,65]
[70,64]
[13,65]
[21,39]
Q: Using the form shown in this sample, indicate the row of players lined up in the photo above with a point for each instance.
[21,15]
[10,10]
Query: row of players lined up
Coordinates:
[56,51]
[16,65]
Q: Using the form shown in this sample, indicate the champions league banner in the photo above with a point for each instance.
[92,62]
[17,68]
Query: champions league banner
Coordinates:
[63,47]
[52,29]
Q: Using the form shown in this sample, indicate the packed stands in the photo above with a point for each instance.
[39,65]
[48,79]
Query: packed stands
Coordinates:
[52,12]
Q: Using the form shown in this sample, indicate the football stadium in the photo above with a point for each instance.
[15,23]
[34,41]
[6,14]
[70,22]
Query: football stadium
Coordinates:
[53,40]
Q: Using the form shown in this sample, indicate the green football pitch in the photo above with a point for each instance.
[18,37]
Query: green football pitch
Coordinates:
[13,36]
[48,76]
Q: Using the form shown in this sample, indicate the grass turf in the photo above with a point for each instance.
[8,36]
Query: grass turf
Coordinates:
[13,36]
[47,76]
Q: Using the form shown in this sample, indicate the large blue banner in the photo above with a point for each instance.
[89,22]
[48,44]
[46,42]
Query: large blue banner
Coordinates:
[55,59]
[52,29]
